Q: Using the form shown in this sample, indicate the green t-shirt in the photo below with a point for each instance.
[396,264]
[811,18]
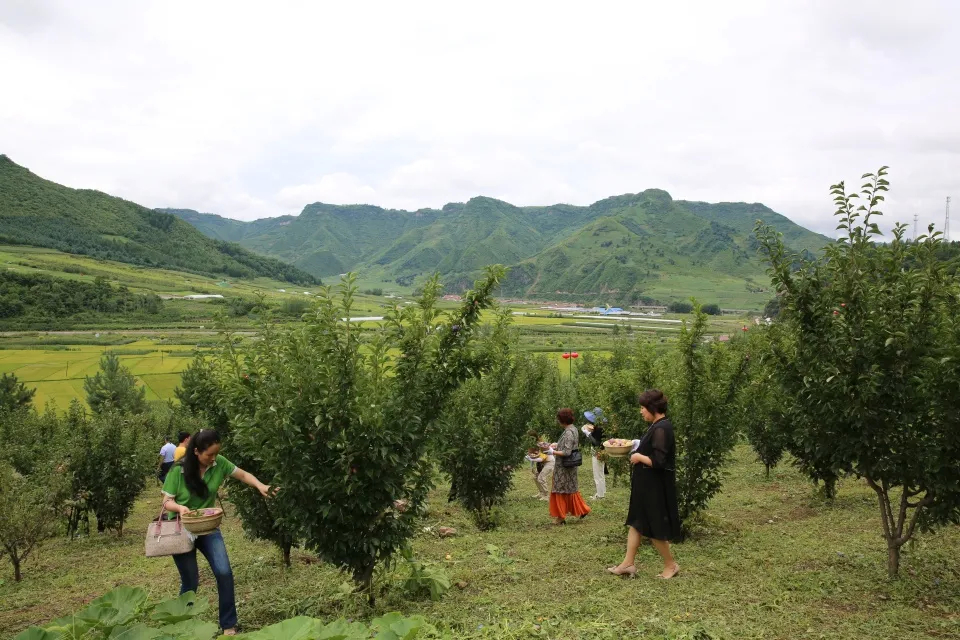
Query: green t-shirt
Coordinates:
[176,487]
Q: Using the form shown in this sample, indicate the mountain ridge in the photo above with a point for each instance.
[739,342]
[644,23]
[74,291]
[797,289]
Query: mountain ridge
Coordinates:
[38,212]
[613,245]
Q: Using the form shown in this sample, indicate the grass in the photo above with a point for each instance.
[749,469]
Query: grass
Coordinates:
[770,560]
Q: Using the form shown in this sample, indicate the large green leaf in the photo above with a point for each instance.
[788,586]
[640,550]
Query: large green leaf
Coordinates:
[190,630]
[127,601]
[112,609]
[299,628]
[178,609]
[70,627]
[136,632]
[395,626]
[36,633]
[342,630]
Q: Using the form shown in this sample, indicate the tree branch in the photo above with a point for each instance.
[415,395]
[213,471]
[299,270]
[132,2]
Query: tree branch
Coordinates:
[902,516]
[884,506]
[913,520]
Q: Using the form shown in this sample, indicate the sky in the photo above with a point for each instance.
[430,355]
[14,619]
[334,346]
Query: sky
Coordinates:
[255,109]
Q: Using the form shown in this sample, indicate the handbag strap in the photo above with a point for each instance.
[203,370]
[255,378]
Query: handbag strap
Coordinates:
[158,528]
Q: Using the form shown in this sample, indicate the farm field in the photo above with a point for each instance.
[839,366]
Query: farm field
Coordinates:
[56,366]
[58,375]
[771,560]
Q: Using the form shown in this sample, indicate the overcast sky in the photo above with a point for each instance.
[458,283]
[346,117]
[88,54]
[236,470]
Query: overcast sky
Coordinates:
[255,109]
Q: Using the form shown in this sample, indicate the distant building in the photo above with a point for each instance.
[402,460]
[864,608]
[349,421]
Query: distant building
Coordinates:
[723,338]
[202,296]
[452,298]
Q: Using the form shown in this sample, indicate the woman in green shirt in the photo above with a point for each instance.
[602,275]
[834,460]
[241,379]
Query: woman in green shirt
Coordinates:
[193,484]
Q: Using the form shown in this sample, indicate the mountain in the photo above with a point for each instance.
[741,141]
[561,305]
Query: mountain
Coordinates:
[37,212]
[624,248]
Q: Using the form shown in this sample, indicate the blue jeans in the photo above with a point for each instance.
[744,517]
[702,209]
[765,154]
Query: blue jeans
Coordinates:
[213,549]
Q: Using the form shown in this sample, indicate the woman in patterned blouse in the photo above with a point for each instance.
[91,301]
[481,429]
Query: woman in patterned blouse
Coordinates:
[565,498]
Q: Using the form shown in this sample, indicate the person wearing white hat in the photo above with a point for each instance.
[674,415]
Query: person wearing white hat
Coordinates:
[594,432]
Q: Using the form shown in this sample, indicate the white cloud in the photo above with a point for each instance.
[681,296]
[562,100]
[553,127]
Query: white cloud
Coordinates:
[247,109]
[334,188]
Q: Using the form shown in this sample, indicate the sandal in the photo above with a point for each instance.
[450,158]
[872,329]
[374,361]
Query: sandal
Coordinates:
[630,572]
[676,571]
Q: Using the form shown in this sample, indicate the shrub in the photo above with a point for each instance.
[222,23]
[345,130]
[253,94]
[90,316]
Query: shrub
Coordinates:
[113,453]
[342,426]
[31,506]
[702,384]
[874,386]
[32,439]
[484,428]
[14,394]
[114,386]
[763,410]
[201,394]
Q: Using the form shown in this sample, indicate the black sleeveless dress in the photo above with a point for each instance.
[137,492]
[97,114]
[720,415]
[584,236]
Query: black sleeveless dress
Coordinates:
[653,490]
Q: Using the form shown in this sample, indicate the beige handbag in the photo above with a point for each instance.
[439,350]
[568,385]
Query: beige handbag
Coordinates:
[167,537]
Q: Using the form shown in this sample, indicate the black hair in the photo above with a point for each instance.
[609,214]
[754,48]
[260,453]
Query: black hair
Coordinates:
[183,435]
[565,416]
[653,401]
[201,441]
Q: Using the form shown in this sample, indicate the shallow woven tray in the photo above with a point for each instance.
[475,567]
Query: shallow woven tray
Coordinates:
[202,525]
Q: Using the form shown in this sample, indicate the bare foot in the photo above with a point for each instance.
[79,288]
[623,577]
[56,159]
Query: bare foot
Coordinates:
[669,573]
[229,632]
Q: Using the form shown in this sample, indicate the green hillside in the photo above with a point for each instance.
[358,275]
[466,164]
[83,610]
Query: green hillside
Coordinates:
[40,213]
[626,248]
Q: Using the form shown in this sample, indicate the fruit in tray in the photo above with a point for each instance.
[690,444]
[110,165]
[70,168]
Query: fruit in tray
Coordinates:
[618,442]
[198,513]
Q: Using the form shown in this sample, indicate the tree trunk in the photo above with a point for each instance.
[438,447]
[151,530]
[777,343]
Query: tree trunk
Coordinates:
[286,554]
[364,579]
[830,488]
[893,559]
[768,470]
[17,576]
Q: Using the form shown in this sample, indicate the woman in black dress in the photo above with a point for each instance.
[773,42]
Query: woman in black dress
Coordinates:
[653,489]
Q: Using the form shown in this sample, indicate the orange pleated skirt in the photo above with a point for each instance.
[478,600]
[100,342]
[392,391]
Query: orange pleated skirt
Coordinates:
[564,504]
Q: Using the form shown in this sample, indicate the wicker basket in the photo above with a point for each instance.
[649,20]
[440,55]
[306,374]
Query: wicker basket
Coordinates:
[611,450]
[202,521]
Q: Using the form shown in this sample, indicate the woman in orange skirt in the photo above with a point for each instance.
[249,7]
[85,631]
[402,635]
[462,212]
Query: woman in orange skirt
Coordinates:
[565,498]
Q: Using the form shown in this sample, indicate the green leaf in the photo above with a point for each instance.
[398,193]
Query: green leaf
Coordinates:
[69,627]
[126,602]
[190,630]
[299,628]
[36,633]
[178,609]
[342,630]
[395,626]
[136,632]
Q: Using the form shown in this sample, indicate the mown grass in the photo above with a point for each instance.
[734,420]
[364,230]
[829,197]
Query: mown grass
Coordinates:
[770,560]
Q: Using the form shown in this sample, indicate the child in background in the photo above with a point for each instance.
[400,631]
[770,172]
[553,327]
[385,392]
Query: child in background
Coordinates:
[542,462]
